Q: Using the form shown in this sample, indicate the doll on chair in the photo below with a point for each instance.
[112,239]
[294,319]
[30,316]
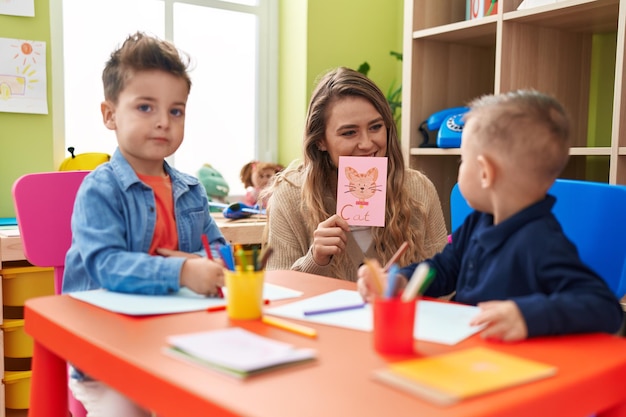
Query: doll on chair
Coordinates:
[255,176]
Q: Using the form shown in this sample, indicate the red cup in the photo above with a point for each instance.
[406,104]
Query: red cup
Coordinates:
[394,321]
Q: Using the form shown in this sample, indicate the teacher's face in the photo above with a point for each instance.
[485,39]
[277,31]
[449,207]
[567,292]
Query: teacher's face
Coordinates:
[354,128]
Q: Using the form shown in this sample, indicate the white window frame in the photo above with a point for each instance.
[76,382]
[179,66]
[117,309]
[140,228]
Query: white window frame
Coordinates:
[266,140]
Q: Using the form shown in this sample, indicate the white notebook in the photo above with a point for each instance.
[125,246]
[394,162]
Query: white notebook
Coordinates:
[236,352]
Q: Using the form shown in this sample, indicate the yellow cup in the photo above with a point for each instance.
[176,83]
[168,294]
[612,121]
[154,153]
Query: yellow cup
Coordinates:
[244,294]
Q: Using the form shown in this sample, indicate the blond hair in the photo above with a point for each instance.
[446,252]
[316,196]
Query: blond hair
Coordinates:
[530,128]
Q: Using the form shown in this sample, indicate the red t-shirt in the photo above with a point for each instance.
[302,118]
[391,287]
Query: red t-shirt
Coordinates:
[165,233]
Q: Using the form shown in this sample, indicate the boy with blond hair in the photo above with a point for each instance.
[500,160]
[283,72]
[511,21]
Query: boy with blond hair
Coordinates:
[510,257]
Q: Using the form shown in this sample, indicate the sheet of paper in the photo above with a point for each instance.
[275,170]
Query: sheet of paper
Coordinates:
[18,7]
[23,77]
[438,322]
[361,190]
[183,301]
[9,231]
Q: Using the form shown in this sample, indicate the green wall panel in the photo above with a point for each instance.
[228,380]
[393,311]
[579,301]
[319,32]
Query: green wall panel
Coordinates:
[25,139]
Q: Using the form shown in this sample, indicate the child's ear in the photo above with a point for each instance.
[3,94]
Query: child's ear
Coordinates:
[487,170]
[108,114]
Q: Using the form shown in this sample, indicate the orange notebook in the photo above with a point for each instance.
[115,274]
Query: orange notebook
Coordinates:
[449,378]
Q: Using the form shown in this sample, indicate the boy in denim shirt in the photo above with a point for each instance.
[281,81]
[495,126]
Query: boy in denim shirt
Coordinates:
[137,224]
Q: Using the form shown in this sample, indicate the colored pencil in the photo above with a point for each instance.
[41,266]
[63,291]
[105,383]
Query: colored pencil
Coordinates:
[207,249]
[227,256]
[377,280]
[223,307]
[289,326]
[392,281]
[417,279]
[264,258]
[396,256]
[334,309]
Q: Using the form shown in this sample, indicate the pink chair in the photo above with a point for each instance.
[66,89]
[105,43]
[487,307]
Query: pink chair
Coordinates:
[43,207]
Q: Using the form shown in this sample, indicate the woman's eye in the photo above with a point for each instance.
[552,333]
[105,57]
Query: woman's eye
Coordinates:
[348,133]
[177,112]
[144,108]
[376,127]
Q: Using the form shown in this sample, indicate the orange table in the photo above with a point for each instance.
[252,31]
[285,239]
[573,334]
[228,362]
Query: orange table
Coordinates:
[126,352]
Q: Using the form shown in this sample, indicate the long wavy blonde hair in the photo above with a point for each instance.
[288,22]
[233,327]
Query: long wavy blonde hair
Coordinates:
[320,174]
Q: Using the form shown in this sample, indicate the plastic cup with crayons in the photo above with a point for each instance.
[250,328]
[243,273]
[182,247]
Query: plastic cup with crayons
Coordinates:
[244,297]
[394,315]
[394,321]
[244,277]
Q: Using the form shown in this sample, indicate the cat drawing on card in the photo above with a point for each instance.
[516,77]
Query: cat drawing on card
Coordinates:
[362,186]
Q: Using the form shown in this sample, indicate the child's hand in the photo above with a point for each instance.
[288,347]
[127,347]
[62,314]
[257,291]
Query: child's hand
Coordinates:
[366,284]
[373,280]
[503,319]
[329,239]
[202,275]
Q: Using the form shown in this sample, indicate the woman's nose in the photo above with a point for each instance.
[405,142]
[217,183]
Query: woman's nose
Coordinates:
[365,141]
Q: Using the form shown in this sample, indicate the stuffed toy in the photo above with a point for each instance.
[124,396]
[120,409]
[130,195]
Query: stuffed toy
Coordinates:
[83,161]
[215,185]
[255,176]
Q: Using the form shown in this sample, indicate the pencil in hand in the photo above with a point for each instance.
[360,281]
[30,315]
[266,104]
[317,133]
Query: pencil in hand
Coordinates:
[377,281]
[264,258]
[207,246]
[207,249]
[394,258]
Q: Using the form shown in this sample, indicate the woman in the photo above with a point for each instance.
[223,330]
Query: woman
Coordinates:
[349,116]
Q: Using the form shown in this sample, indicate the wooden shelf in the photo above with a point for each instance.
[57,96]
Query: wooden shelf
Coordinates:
[448,61]
[577,16]
[590,151]
[470,32]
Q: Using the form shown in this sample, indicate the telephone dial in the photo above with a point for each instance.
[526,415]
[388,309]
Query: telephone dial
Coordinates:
[449,124]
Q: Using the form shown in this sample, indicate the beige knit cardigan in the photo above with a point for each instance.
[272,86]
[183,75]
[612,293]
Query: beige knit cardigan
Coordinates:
[287,232]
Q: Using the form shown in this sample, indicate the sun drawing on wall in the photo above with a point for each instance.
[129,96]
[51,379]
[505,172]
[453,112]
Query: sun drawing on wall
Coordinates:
[26,54]
[26,51]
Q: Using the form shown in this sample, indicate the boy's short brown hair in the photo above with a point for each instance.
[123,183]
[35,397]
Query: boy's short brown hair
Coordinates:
[527,126]
[141,52]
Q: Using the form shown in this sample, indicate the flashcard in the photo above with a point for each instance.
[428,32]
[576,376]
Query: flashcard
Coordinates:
[361,190]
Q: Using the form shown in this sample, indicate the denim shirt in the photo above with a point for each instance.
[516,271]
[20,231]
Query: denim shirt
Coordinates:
[113,224]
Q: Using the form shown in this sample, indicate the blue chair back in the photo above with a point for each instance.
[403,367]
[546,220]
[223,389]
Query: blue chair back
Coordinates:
[591,215]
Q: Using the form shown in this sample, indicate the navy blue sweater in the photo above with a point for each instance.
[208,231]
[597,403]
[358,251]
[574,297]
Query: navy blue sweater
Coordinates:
[529,260]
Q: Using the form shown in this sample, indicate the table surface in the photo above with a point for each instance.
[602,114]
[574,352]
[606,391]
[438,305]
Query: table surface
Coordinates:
[11,248]
[127,353]
[246,231]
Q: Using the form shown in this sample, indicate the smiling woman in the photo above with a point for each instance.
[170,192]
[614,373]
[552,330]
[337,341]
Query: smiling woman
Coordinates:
[230,43]
[349,115]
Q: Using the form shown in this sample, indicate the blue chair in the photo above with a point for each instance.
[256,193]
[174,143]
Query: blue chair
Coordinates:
[591,215]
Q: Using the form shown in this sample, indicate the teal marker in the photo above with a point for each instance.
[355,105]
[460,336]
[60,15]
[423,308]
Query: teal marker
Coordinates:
[392,281]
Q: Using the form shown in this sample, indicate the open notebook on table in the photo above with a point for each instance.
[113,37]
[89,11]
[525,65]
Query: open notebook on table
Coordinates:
[236,352]
[439,322]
